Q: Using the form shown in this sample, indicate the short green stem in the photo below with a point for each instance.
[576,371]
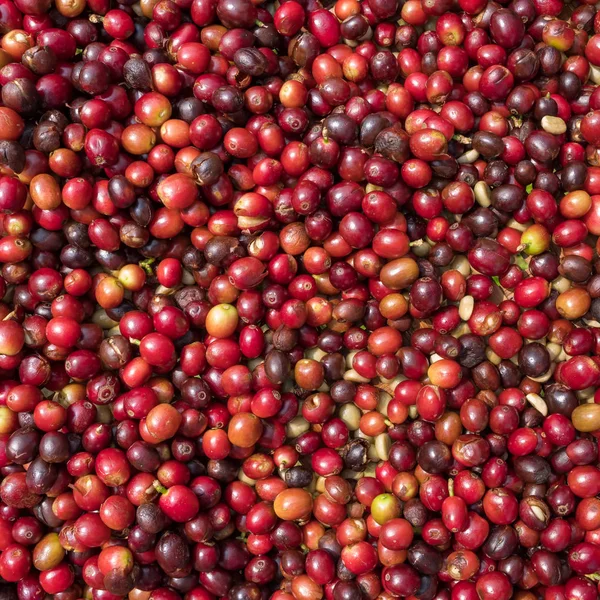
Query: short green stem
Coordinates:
[147,265]
[161,489]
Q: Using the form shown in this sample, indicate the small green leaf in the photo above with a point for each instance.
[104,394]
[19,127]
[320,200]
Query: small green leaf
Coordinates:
[529,188]
[496,280]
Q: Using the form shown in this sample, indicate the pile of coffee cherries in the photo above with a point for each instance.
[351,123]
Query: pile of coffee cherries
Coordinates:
[300,300]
